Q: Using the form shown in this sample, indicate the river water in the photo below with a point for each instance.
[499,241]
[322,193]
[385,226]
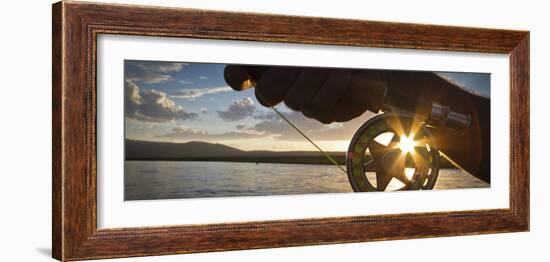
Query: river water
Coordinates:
[185,179]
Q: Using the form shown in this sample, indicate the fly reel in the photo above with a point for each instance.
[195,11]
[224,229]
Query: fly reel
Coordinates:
[392,151]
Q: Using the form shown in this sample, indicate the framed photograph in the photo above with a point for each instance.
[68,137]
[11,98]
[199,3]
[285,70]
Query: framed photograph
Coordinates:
[180,130]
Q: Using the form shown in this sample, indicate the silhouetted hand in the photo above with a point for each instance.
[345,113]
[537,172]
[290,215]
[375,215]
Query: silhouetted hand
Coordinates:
[328,95]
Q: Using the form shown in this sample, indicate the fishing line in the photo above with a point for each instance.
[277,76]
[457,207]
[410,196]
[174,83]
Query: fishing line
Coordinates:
[301,133]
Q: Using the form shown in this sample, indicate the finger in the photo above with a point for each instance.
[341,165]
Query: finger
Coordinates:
[331,91]
[237,77]
[307,113]
[342,111]
[364,89]
[240,77]
[308,82]
[274,84]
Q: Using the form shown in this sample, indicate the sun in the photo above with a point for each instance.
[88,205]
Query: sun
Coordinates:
[407,144]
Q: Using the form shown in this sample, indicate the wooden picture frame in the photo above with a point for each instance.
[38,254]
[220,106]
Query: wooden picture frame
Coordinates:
[76,26]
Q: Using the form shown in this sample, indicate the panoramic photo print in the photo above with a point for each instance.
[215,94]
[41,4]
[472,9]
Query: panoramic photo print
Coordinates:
[201,130]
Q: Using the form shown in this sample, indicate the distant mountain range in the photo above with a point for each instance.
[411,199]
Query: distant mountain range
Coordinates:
[136,149]
[202,151]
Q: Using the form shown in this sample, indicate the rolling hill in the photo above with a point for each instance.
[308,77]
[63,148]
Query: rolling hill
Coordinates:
[202,151]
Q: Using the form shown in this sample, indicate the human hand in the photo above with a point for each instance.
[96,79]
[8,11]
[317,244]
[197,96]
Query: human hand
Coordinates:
[325,94]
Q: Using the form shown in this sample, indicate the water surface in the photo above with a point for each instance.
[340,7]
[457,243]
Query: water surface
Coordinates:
[187,179]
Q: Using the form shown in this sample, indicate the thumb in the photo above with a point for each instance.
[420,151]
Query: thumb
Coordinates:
[241,77]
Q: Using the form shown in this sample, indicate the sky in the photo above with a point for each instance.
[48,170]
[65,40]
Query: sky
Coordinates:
[181,102]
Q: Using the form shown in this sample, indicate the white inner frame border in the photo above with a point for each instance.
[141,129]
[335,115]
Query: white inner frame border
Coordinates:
[114,212]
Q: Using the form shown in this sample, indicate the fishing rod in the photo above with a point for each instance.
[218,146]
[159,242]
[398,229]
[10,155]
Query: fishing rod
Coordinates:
[410,155]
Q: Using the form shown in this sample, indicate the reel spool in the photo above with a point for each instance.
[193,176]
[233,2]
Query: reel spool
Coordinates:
[390,152]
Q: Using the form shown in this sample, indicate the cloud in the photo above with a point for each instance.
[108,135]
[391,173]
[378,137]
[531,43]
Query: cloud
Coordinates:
[241,127]
[188,134]
[149,78]
[161,67]
[239,110]
[182,130]
[203,77]
[185,82]
[195,93]
[132,97]
[152,105]
[153,72]
[273,125]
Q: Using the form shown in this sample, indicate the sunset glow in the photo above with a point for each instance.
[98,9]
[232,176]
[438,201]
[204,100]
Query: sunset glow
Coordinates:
[407,144]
